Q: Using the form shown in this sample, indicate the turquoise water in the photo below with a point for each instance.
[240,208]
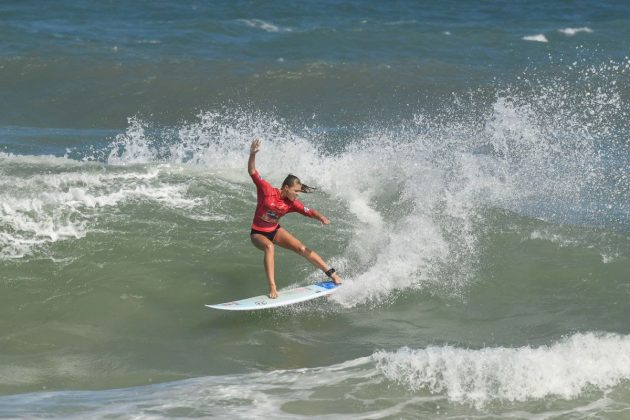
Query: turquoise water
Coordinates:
[473,160]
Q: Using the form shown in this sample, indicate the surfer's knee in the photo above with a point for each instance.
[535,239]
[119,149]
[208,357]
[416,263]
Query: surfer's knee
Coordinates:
[303,250]
[268,248]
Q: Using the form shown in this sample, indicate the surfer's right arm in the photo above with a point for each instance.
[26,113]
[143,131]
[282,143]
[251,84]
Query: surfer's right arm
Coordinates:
[251,163]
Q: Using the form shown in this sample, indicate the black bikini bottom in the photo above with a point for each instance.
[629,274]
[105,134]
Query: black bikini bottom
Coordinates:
[268,235]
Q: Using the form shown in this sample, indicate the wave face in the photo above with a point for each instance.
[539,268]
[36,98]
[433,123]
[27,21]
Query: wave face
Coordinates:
[477,184]
[565,369]
[402,383]
[470,238]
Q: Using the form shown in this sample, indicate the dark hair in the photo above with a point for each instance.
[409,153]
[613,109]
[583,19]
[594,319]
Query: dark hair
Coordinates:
[291,180]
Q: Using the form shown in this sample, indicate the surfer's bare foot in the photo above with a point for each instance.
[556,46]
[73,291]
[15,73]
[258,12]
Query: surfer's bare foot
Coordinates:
[273,293]
[335,278]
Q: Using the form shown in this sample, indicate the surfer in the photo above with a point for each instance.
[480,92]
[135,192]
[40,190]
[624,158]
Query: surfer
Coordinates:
[274,203]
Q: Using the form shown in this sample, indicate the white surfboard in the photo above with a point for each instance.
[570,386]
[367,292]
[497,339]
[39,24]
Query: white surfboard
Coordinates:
[285,297]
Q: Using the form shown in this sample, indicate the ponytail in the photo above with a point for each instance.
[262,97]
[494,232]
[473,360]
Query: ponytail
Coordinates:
[290,180]
[307,189]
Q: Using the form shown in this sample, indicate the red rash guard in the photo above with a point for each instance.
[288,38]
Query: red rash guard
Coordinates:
[271,206]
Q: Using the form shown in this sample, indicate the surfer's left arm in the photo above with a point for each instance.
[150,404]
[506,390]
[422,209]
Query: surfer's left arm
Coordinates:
[318,216]
[298,206]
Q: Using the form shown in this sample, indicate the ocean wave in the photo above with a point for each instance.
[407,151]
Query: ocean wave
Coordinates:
[448,381]
[573,31]
[414,192]
[564,370]
[265,26]
[536,38]
[43,208]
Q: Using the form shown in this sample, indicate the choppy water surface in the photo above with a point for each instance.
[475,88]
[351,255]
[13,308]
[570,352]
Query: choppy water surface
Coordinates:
[473,160]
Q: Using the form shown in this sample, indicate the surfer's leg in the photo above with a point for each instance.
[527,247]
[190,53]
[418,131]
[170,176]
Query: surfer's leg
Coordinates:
[267,247]
[286,240]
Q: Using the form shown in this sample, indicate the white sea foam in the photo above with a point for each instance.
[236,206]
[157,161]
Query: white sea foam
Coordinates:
[565,369]
[607,258]
[536,38]
[410,196]
[45,208]
[265,26]
[573,31]
[556,238]
[131,147]
[456,381]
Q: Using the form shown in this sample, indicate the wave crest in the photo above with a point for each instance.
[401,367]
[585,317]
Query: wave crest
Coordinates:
[562,370]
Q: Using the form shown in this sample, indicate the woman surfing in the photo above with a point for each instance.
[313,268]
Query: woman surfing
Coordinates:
[274,203]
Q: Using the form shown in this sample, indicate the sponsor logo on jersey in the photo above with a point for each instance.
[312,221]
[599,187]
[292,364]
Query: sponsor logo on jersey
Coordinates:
[269,216]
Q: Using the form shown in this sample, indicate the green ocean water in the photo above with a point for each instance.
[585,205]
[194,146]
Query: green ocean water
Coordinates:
[113,297]
[473,160]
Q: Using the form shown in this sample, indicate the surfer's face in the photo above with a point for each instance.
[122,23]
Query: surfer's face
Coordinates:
[291,193]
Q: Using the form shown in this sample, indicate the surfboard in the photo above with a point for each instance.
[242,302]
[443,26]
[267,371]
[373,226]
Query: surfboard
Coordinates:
[285,297]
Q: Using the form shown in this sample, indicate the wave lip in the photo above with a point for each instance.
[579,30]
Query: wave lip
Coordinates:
[565,369]
[573,31]
[264,25]
[477,377]
[536,38]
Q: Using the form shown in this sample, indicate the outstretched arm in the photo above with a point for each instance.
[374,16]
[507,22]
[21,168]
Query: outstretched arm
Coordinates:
[312,213]
[251,163]
[317,215]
